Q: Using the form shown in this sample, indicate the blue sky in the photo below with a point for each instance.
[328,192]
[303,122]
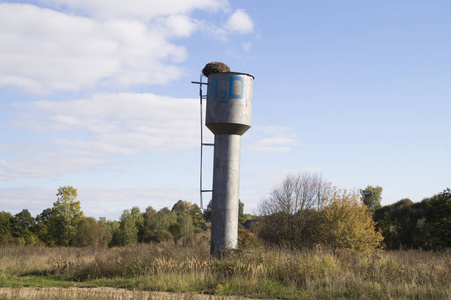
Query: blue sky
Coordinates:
[98,95]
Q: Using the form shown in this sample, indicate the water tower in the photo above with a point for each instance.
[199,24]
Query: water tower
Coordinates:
[228,116]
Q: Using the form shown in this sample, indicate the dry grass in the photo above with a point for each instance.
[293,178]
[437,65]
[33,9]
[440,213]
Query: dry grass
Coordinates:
[262,273]
[99,293]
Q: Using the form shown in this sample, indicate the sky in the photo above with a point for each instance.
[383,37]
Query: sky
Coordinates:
[98,95]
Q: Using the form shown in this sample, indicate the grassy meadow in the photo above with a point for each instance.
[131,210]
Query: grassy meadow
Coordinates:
[186,267]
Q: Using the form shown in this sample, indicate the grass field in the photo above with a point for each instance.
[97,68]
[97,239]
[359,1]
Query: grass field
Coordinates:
[186,267]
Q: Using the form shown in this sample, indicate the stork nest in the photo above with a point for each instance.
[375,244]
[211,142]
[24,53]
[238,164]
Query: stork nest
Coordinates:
[215,67]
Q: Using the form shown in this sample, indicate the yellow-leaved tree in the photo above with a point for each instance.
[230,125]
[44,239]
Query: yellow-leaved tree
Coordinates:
[347,223]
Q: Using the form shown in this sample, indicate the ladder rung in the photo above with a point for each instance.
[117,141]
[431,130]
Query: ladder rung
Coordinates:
[206,191]
[207,144]
[197,82]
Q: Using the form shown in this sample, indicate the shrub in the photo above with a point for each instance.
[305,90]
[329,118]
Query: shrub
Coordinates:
[158,236]
[346,223]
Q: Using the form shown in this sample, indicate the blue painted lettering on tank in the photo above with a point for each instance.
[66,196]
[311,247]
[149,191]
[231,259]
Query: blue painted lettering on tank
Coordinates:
[236,80]
[223,97]
[213,87]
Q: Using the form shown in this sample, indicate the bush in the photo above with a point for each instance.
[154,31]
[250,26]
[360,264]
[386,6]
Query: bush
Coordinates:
[247,239]
[347,223]
[158,236]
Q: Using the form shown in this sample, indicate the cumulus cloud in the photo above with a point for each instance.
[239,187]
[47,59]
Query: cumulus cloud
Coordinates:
[90,44]
[44,50]
[105,124]
[240,22]
[270,139]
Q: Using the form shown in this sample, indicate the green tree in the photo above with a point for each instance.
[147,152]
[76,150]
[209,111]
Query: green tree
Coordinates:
[91,233]
[22,225]
[403,224]
[5,228]
[181,207]
[130,224]
[185,223]
[65,216]
[241,216]
[163,219]
[196,216]
[148,215]
[5,219]
[174,230]
[42,230]
[438,218]
[148,223]
[185,207]
[346,223]
[128,229]
[139,220]
[371,197]
[162,225]
[207,211]
[114,228]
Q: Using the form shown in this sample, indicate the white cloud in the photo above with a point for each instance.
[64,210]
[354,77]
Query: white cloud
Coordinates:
[136,122]
[272,139]
[49,162]
[14,200]
[179,25]
[141,9]
[95,44]
[240,22]
[105,124]
[44,50]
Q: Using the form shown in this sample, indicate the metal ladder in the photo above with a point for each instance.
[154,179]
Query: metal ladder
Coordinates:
[202,144]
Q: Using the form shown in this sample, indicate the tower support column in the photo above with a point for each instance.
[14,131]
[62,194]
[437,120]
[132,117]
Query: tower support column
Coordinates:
[225,202]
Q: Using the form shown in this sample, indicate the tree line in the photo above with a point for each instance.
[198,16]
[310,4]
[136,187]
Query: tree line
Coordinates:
[65,224]
[421,225]
[303,211]
[306,211]
[408,225]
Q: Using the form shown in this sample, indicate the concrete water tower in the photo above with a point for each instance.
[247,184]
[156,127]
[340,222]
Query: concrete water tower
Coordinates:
[228,116]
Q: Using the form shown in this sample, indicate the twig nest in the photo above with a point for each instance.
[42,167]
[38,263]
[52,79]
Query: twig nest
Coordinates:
[215,67]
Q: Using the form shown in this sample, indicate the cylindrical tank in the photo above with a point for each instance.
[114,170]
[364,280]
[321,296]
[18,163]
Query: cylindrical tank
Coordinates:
[229,104]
